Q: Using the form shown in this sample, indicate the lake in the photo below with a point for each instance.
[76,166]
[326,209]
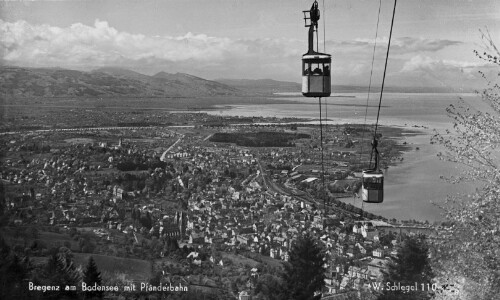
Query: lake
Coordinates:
[411,186]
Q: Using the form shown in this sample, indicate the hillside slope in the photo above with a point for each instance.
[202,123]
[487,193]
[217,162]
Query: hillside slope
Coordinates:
[45,82]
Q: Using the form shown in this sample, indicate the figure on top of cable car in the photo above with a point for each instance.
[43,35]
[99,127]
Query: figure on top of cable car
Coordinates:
[316,80]
[372,187]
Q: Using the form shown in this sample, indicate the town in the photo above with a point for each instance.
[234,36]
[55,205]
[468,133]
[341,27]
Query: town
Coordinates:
[199,196]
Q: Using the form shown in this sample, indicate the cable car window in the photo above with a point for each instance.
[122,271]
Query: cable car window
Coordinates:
[318,69]
[373,182]
[307,68]
[326,69]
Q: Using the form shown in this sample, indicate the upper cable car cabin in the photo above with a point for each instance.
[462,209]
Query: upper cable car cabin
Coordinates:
[316,78]
[372,188]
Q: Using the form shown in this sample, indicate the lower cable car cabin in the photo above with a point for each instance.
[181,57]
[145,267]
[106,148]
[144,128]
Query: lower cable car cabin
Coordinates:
[372,188]
[316,78]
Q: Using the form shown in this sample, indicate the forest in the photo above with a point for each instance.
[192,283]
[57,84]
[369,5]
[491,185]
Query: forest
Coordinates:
[259,139]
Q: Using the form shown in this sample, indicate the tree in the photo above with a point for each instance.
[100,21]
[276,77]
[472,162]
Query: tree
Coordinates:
[469,255]
[14,274]
[3,217]
[59,271]
[304,274]
[92,276]
[146,220]
[410,266]
[266,286]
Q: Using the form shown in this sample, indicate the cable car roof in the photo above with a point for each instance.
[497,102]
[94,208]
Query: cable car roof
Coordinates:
[316,55]
[373,173]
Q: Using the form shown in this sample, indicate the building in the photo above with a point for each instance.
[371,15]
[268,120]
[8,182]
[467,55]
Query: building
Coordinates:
[243,295]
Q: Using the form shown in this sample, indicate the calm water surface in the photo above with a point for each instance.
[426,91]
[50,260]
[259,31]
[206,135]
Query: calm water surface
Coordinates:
[411,186]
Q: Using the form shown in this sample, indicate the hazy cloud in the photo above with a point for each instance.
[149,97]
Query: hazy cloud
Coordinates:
[415,45]
[82,45]
[403,45]
[420,62]
[448,73]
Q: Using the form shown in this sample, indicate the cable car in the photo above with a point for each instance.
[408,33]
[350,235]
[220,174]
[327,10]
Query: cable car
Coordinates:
[372,188]
[316,78]
[372,182]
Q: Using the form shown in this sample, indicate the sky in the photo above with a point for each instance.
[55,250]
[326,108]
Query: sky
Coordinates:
[432,42]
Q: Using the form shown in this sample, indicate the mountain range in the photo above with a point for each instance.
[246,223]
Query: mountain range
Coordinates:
[112,82]
[104,82]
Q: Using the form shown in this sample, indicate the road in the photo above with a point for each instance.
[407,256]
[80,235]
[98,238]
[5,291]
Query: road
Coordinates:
[93,129]
[162,158]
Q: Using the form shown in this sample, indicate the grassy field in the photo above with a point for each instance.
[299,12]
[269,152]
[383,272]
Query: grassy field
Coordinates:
[110,266]
[24,236]
[136,269]
[239,260]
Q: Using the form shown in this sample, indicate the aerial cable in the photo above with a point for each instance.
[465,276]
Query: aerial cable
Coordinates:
[372,192]
[375,142]
[322,159]
[370,83]
[385,67]
[317,39]
[325,191]
[314,58]
[324,50]
[326,114]
[324,27]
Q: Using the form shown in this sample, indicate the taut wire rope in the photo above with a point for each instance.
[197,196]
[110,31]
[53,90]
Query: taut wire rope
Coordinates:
[383,78]
[385,67]
[370,82]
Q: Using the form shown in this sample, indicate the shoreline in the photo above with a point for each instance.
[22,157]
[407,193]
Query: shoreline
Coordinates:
[407,195]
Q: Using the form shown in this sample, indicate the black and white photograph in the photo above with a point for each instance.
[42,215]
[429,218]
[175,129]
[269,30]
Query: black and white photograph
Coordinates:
[250,149]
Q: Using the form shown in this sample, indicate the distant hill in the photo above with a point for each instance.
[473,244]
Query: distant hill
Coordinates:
[196,85]
[111,81]
[54,82]
[120,72]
